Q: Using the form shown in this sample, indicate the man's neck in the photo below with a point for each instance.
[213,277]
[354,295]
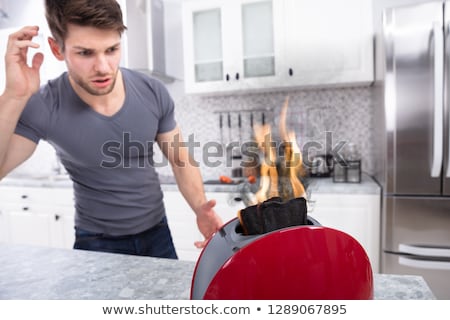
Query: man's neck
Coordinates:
[108,104]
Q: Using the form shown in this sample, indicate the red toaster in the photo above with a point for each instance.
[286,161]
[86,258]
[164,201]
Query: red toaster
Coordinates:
[307,262]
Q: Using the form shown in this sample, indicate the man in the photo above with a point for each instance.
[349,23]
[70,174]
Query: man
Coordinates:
[102,121]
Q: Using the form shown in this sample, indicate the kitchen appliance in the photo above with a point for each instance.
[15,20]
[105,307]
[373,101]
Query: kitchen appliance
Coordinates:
[301,262]
[144,39]
[414,162]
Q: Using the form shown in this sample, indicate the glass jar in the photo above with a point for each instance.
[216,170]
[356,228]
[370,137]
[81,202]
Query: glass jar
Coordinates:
[354,171]
[353,161]
[339,171]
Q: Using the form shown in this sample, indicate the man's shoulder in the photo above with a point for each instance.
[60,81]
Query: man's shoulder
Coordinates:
[48,96]
[52,88]
[141,77]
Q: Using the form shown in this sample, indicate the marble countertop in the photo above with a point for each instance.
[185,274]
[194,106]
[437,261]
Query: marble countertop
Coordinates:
[28,272]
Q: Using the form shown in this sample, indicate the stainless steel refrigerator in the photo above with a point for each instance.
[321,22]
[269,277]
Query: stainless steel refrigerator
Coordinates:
[415,153]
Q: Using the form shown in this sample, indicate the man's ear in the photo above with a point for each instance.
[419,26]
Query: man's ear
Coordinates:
[56,49]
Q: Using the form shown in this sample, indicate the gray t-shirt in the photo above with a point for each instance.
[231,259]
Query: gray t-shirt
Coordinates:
[108,158]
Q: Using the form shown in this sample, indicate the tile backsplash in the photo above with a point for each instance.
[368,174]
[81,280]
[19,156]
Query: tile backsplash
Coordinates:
[319,116]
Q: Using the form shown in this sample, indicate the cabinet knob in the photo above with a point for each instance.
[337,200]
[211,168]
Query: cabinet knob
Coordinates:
[237,76]
[57,217]
[24,196]
[227,77]
[25,208]
[291,72]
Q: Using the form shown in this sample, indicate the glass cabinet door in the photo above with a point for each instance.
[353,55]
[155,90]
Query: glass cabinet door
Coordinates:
[207,33]
[258,39]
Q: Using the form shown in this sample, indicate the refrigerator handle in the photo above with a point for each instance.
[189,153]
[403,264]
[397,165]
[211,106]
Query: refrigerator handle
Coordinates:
[425,250]
[438,126]
[424,256]
[424,264]
[447,75]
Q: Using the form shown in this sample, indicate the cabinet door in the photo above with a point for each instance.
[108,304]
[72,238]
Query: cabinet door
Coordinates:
[4,230]
[28,227]
[328,42]
[260,27]
[62,231]
[203,45]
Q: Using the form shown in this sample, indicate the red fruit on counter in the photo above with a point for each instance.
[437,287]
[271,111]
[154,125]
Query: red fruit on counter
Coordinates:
[225,179]
[251,179]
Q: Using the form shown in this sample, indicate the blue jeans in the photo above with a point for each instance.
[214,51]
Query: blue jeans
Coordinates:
[154,242]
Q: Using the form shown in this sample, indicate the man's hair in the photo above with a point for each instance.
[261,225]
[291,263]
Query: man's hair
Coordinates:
[102,14]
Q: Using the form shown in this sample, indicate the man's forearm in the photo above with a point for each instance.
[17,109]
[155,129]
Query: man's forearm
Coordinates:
[10,111]
[190,184]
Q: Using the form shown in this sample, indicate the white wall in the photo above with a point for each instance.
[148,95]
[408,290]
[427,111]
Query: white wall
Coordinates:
[20,13]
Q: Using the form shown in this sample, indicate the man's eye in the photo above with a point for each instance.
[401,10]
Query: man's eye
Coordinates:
[84,53]
[111,50]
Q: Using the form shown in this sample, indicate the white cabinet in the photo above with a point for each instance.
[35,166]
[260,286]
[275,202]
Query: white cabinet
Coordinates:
[37,216]
[182,221]
[4,232]
[234,45]
[355,214]
[328,42]
[231,45]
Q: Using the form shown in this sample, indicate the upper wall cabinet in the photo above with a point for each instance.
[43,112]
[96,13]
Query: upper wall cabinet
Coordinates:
[230,45]
[233,45]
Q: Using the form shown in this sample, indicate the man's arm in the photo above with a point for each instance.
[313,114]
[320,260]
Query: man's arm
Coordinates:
[19,149]
[21,82]
[190,183]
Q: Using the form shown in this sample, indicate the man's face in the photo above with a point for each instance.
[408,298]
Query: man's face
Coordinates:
[92,57]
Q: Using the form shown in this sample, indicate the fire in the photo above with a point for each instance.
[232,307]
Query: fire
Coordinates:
[279,176]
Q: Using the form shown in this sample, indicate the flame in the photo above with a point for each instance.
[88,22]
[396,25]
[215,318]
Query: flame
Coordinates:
[279,178]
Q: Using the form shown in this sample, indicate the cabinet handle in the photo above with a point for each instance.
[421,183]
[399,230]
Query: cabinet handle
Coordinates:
[24,196]
[25,208]
[237,76]
[57,217]
[291,72]
[227,77]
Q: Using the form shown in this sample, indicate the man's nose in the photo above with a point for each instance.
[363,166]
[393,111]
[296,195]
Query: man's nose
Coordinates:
[101,64]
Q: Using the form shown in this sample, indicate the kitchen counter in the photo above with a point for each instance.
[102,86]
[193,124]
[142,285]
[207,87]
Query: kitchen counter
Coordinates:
[28,272]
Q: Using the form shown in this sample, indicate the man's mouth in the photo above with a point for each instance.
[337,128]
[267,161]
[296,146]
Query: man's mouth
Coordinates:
[101,83]
[101,80]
